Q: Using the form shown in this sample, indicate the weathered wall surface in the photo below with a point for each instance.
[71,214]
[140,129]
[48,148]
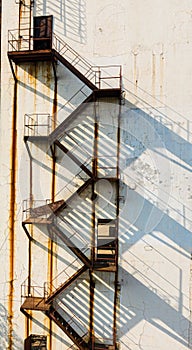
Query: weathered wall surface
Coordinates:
[153,42]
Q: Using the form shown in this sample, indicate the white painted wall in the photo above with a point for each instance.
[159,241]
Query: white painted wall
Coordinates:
[153,42]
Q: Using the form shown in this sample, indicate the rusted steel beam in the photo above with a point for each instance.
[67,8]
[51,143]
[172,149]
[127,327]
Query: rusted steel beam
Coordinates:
[116,294]
[91,311]
[65,284]
[74,158]
[51,244]
[27,232]
[67,328]
[65,203]
[30,56]
[55,229]
[12,70]
[12,210]
[74,70]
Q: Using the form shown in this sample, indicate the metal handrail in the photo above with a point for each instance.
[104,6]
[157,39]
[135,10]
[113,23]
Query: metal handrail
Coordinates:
[75,232]
[59,44]
[70,183]
[29,205]
[50,287]
[73,319]
[64,271]
[31,121]
[32,290]
[91,72]
[32,124]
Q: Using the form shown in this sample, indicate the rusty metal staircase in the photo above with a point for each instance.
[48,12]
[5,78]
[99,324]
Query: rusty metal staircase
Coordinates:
[47,300]
[94,77]
[39,305]
[60,219]
[46,213]
[74,62]
[67,328]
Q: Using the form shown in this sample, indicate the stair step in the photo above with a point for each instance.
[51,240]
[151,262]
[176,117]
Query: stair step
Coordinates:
[45,209]
[66,327]
[35,303]
[104,347]
[77,150]
[32,220]
[110,267]
[106,257]
[106,242]
[78,191]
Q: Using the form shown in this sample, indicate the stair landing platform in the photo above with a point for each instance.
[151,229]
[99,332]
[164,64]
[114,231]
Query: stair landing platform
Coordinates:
[35,303]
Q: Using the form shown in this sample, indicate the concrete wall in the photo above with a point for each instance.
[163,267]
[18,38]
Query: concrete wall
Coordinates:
[152,40]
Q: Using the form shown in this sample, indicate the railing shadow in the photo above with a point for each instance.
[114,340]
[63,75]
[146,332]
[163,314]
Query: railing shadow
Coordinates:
[70,17]
[158,220]
[145,306]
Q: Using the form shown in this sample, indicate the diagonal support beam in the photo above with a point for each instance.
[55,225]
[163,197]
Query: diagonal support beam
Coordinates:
[74,70]
[74,158]
[64,285]
[65,204]
[55,229]
[67,328]
[56,134]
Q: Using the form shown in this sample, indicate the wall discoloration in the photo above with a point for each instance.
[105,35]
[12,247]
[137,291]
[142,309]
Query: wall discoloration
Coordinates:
[12,216]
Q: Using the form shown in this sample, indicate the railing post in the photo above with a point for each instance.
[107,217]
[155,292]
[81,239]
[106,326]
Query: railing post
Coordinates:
[120,77]
[99,77]
[37,123]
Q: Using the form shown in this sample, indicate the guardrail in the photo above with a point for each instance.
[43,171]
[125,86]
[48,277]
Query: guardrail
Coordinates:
[109,76]
[36,208]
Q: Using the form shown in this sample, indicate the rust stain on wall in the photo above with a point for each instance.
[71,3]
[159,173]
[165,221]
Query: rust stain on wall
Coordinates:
[153,73]
[161,74]
[12,210]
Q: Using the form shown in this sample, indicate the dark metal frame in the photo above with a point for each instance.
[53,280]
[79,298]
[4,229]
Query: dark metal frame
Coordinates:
[98,78]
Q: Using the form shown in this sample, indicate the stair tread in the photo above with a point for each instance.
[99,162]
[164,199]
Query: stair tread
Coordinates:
[32,220]
[67,328]
[104,347]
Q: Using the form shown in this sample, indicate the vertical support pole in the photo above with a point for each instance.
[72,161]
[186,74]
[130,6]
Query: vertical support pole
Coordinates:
[51,242]
[28,320]
[54,121]
[91,320]
[92,285]
[30,22]
[20,12]
[30,205]
[99,78]
[116,294]
[94,171]
[12,214]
